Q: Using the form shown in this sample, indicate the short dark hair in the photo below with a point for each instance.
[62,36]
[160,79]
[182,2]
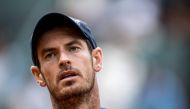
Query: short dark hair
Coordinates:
[52,20]
[90,48]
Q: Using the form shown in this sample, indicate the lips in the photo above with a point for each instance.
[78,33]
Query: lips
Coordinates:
[67,74]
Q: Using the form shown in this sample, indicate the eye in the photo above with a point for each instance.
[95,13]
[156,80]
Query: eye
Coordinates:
[74,49]
[50,55]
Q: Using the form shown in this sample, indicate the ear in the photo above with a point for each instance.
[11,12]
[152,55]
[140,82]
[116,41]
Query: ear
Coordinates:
[97,59]
[38,76]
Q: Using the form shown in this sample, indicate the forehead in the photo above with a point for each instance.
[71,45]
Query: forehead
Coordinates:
[74,33]
[63,32]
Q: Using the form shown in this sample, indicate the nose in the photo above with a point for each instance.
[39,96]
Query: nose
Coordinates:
[64,60]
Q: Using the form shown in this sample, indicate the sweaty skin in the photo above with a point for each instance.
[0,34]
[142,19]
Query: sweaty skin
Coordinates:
[68,69]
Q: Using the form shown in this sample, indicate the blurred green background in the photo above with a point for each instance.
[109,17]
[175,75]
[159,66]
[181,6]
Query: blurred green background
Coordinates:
[146,45]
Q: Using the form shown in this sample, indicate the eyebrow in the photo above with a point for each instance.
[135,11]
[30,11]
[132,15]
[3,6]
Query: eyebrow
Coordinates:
[46,50]
[75,41]
[49,49]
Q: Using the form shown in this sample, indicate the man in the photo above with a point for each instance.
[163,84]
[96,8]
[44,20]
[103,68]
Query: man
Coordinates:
[66,59]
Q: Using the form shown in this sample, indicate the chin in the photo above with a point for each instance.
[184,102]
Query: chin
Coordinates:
[74,90]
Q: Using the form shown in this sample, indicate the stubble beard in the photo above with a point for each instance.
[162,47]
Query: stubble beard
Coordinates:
[73,92]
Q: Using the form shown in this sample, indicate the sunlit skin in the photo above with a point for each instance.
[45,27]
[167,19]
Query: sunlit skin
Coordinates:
[68,69]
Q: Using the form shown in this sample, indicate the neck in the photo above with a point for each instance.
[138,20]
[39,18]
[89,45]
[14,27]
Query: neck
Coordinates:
[86,101]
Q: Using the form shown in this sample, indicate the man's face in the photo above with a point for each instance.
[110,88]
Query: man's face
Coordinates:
[67,67]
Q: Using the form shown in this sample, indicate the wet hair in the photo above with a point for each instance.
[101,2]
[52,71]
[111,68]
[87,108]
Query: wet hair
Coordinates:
[65,28]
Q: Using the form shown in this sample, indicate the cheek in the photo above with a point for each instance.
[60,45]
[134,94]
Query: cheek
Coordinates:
[49,72]
[84,63]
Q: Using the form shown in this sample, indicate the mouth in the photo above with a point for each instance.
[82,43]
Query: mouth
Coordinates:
[67,75]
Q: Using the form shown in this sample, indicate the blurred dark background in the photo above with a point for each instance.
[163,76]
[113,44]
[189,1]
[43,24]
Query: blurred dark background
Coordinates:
[146,46]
